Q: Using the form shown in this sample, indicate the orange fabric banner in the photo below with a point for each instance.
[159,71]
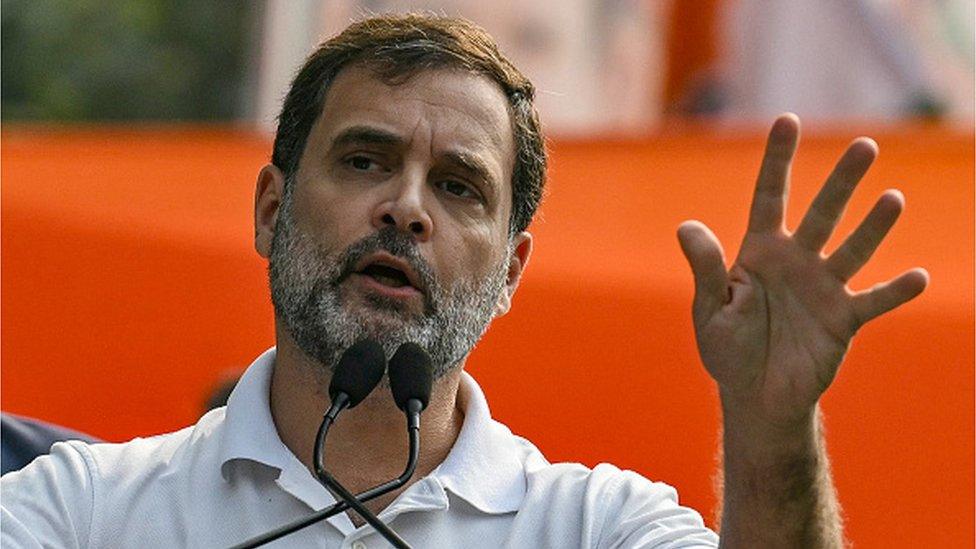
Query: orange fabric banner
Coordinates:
[130,285]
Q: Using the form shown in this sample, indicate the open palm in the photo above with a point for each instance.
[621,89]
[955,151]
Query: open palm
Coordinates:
[772,329]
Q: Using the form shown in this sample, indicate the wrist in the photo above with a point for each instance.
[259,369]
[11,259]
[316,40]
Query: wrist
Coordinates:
[749,429]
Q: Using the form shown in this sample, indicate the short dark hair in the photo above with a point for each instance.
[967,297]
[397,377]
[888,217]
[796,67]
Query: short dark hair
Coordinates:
[396,47]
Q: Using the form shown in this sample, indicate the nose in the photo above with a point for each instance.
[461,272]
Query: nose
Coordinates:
[404,208]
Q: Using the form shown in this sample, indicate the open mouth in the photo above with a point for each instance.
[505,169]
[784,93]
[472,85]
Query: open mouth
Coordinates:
[386,275]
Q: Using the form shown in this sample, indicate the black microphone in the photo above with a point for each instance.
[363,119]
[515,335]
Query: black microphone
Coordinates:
[359,370]
[410,376]
[411,379]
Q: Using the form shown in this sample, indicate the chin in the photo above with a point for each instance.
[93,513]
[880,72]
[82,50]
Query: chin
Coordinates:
[388,305]
[382,321]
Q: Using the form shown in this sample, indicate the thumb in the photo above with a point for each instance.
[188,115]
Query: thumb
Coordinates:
[704,253]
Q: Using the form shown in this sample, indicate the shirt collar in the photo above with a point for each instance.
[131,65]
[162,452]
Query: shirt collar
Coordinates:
[486,465]
[249,432]
[250,435]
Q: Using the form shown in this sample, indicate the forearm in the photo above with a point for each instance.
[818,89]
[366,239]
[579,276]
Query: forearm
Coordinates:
[777,486]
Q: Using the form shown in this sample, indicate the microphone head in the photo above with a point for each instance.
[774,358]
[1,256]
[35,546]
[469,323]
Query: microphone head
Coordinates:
[359,370]
[411,375]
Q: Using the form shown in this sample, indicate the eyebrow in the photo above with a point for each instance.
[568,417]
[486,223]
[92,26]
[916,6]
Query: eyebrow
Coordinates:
[365,135]
[471,163]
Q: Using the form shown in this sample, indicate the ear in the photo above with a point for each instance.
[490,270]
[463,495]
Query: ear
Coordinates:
[267,200]
[516,265]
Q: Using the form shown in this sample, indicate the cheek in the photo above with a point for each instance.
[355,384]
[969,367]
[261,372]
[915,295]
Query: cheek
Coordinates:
[333,221]
[473,256]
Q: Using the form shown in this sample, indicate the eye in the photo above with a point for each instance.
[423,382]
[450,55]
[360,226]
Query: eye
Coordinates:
[362,163]
[459,189]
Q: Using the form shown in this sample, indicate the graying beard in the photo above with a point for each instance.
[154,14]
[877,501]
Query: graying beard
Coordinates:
[306,298]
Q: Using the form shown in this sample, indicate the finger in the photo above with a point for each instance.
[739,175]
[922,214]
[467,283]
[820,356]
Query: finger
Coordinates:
[769,199]
[704,253]
[827,207]
[888,295]
[860,245]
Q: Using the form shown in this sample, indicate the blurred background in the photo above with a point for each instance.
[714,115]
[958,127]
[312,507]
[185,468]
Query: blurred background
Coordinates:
[133,132]
[607,67]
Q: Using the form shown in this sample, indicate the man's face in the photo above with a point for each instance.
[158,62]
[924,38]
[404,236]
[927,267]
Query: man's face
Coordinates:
[397,227]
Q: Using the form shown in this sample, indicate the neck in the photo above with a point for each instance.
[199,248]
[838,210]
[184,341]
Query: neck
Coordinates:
[368,444]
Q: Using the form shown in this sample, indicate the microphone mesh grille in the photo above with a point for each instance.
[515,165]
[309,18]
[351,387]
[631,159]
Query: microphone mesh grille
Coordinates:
[359,370]
[410,375]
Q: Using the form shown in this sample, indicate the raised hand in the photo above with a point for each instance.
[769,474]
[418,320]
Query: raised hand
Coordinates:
[772,329]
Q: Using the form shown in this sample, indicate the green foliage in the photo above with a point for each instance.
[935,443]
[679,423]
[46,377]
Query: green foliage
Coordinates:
[125,59]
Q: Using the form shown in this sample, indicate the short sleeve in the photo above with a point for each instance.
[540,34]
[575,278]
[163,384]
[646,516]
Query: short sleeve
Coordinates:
[645,514]
[49,503]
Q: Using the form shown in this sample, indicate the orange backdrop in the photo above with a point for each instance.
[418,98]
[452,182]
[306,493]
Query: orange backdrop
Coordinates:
[130,285]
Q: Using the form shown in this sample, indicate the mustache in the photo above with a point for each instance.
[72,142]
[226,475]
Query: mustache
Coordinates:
[394,242]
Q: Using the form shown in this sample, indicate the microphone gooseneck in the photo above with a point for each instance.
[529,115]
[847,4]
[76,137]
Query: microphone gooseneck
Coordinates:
[358,372]
[410,375]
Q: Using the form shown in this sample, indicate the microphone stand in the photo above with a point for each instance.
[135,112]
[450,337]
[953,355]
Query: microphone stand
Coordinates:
[326,478]
[413,432]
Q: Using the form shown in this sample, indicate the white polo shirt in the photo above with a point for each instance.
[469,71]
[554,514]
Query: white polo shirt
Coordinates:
[229,478]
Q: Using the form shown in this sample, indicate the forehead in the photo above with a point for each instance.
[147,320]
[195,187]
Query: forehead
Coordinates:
[450,109]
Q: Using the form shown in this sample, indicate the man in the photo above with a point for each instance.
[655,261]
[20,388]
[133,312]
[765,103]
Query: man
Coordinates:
[407,166]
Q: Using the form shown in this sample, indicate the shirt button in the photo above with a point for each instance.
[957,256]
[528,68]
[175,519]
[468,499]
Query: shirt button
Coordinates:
[358,545]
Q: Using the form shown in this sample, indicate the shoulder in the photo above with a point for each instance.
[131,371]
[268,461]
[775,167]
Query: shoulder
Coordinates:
[60,498]
[49,502]
[602,485]
[23,439]
[613,507]
[571,478]
[155,455]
